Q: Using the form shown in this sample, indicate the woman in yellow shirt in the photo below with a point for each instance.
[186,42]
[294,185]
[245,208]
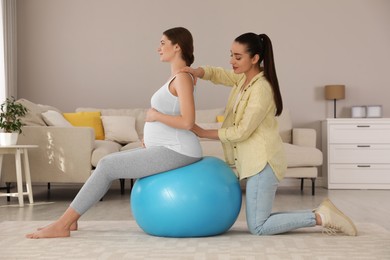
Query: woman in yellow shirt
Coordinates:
[251,141]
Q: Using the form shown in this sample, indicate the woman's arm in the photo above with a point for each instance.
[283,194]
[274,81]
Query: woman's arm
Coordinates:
[256,109]
[197,73]
[205,133]
[182,86]
[252,114]
[216,75]
[221,76]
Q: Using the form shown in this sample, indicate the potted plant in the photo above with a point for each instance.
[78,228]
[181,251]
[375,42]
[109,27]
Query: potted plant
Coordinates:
[10,114]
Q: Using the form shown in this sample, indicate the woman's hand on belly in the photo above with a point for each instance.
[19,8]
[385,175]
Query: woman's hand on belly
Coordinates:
[151,115]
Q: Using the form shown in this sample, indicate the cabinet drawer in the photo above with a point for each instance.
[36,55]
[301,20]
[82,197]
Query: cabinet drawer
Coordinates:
[352,174]
[363,154]
[359,133]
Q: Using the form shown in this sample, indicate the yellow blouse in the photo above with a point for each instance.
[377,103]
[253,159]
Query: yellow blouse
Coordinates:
[250,133]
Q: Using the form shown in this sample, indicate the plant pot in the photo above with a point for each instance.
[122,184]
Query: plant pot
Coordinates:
[7,139]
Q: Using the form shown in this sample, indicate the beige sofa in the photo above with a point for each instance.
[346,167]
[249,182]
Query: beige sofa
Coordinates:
[69,154]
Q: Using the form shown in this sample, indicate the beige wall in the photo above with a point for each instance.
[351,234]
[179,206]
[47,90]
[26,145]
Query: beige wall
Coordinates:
[102,53]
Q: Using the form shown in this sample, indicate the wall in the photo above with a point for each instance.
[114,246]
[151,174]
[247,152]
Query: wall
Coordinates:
[103,53]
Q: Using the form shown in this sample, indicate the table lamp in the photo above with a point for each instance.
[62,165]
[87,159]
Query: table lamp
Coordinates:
[334,92]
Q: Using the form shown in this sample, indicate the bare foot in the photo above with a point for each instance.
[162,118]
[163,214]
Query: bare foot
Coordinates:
[73,227]
[51,231]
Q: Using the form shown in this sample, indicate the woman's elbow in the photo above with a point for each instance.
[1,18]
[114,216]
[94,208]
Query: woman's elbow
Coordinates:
[188,125]
[240,137]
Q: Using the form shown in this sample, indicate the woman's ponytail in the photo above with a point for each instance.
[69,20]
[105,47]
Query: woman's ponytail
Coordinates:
[261,45]
[267,56]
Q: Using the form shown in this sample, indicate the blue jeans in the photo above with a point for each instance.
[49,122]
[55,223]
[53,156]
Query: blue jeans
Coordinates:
[260,194]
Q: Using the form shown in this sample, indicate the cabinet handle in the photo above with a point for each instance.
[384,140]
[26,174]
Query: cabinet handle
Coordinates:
[362,126]
[364,166]
[364,146]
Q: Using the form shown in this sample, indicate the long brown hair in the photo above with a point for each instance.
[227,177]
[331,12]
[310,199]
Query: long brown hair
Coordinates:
[261,45]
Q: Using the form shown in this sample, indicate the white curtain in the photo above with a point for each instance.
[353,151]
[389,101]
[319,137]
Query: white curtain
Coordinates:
[8,59]
[2,61]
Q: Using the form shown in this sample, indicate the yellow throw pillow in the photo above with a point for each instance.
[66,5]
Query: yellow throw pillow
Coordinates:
[220,118]
[87,119]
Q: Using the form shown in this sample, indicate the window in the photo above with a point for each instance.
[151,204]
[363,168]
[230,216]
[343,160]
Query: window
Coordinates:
[3,91]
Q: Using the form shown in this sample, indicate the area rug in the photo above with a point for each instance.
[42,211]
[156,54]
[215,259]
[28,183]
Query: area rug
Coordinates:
[125,240]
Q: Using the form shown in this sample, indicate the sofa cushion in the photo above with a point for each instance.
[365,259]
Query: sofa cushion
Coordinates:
[103,148]
[119,129]
[54,118]
[300,156]
[301,172]
[285,126]
[87,119]
[34,113]
[130,146]
[304,137]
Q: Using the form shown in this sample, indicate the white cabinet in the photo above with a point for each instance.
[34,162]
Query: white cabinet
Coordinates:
[356,153]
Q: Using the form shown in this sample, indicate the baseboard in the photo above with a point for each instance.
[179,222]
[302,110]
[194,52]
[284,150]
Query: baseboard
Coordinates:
[287,182]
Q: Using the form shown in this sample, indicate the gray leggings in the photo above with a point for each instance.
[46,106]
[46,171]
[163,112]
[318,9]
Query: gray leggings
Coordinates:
[131,164]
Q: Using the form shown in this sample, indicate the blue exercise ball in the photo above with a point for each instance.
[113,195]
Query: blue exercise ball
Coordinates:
[197,200]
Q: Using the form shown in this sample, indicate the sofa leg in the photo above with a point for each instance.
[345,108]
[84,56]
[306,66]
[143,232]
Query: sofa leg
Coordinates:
[131,183]
[122,181]
[8,187]
[301,184]
[48,185]
[313,186]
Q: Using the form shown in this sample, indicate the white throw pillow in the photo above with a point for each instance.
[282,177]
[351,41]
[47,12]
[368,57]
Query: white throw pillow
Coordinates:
[54,118]
[120,129]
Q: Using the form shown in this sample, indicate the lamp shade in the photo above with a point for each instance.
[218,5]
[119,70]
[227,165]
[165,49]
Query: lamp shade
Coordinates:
[334,92]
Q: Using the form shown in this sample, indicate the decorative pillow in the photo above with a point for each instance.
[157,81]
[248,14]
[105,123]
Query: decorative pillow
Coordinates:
[34,113]
[220,118]
[87,119]
[120,129]
[54,118]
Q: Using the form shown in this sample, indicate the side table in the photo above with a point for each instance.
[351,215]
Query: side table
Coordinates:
[18,150]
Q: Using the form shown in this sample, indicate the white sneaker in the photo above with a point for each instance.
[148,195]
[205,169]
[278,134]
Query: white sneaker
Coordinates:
[334,220]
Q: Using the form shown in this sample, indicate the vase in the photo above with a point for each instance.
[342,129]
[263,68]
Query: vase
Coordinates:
[7,139]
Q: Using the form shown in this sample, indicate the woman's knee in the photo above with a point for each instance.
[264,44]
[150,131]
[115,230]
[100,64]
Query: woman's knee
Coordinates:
[106,161]
[255,225]
[105,167]
[256,228]
[251,226]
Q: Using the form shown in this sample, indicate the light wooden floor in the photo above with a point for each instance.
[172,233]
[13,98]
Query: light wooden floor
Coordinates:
[369,206]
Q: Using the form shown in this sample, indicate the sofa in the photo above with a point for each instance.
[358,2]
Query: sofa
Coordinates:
[69,150]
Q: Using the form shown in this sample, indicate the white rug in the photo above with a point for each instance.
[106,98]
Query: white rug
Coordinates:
[125,240]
